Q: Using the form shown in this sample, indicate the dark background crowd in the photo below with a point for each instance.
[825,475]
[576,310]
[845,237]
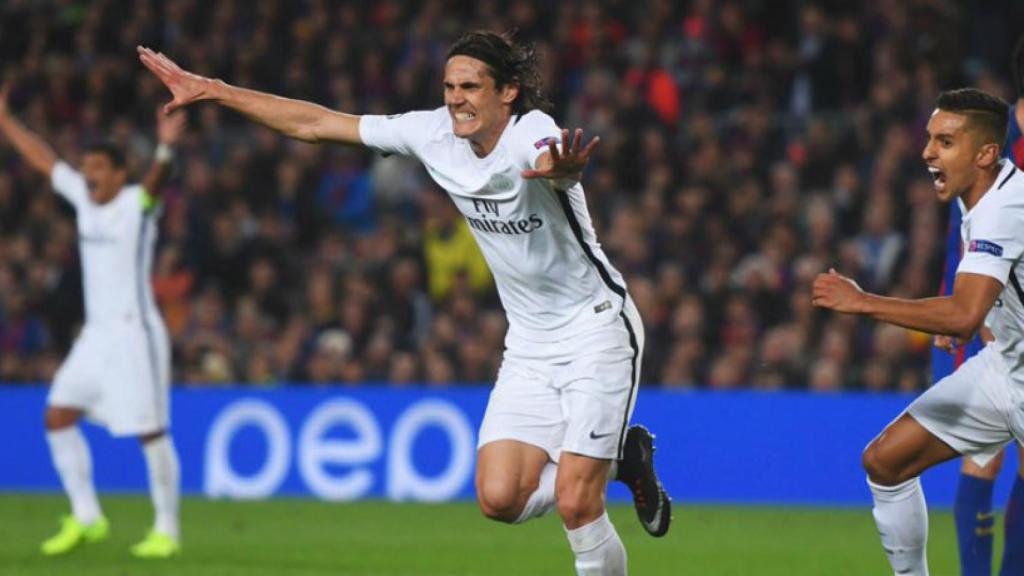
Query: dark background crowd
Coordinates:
[746,146]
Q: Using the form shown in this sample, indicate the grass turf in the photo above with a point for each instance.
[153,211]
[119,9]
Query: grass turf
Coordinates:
[307,538]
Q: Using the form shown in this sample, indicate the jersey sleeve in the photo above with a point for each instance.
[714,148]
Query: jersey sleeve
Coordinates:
[995,243]
[533,132]
[67,182]
[398,133]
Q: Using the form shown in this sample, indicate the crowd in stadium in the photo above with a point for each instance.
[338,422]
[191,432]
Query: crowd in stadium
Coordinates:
[746,146]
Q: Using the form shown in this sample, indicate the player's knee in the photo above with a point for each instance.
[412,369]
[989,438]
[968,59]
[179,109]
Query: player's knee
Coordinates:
[58,418]
[499,500]
[879,469]
[578,506]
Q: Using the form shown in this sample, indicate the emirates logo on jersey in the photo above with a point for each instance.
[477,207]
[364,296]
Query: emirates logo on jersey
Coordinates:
[489,220]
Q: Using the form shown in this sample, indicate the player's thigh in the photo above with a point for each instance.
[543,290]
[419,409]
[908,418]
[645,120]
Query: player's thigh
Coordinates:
[524,407]
[903,451]
[135,395]
[76,385]
[969,410]
[507,473]
[598,401]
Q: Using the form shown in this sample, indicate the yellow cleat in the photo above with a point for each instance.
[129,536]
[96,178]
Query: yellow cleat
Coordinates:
[156,545]
[72,533]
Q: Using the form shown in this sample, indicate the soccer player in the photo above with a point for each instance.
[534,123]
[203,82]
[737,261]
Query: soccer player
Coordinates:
[118,371]
[555,428]
[972,509]
[976,410]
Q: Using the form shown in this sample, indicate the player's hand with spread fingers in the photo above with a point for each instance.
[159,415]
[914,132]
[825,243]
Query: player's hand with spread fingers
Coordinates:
[185,86]
[837,292]
[564,167]
[169,127]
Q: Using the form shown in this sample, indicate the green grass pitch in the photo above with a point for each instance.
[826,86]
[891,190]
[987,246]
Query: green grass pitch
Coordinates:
[308,538]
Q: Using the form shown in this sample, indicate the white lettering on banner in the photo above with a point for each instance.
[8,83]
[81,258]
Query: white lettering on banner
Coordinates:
[404,481]
[315,451]
[221,480]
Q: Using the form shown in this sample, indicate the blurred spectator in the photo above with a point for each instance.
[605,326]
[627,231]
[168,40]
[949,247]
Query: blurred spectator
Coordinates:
[746,146]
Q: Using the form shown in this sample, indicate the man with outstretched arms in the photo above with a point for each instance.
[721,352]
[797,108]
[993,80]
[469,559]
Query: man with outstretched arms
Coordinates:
[556,426]
[118,371]
[979,408]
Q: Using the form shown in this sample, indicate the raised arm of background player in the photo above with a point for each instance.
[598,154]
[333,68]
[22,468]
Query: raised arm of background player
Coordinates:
[314,123]
[37,153]
[168,131]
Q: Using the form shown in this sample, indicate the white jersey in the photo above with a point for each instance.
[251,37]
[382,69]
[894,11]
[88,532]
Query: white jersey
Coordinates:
[116,242]
[553,279]
[993,240]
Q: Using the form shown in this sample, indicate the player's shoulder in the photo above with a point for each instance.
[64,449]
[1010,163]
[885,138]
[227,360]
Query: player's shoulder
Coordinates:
[533,120]
[1007,192]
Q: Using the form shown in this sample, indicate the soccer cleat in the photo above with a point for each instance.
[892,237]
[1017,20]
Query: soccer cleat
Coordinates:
[72,533]
[156,545]
[636,471]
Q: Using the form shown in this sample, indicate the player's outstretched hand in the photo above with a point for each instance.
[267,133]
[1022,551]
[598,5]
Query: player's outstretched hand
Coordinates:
[567,164]
[186,87]
[837,292]
[169,126]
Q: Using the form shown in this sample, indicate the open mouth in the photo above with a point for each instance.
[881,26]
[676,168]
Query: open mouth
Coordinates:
[464,116]
[938,177]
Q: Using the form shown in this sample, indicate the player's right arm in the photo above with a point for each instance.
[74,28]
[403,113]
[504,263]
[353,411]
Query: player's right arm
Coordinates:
[37,153]
[294,118]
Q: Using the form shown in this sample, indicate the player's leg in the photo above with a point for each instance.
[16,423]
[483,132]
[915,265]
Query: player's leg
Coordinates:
[972,511]
[965,414]
[894,461]
[580,487]
[520,439]
[73,462]
[164,481]
[515,481]
[1013,550]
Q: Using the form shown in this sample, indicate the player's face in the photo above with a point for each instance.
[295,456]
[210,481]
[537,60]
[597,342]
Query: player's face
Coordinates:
[102,177]
[478,109]
[952,153]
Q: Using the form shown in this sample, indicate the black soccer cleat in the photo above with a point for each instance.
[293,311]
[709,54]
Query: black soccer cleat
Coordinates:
[636,471]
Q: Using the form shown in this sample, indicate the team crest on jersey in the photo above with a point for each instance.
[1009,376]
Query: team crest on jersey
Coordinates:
[501,183]
[545,142]
[985,246]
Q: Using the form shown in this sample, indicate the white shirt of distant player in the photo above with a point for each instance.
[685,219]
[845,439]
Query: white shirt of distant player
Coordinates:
[993,243]
[116,242]
[552,276]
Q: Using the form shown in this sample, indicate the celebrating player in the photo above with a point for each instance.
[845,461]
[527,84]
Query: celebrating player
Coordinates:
[975,411]
[556,426]
[972,509]
[118,371]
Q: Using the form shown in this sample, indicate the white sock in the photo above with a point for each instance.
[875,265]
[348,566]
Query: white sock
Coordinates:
[73,462]
[164,478]
[902,518]
[542,500]
[598,550]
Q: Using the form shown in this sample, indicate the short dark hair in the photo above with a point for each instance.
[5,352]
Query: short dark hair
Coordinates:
[509,62]
[988,112]
[110,151]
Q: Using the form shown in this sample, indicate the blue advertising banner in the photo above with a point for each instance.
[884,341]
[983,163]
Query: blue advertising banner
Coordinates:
[420,444]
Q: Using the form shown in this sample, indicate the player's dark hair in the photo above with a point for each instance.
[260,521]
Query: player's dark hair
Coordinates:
[509,63]
[985,111]
[110,151]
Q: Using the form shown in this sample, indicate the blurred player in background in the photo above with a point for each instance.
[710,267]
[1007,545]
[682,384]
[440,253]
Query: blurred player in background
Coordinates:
[976,410]
[118,371]
[972,509]
[556,426]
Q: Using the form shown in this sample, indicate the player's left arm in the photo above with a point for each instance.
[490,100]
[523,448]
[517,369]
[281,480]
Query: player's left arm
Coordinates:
[564,168]
[168,131]
[960,314]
